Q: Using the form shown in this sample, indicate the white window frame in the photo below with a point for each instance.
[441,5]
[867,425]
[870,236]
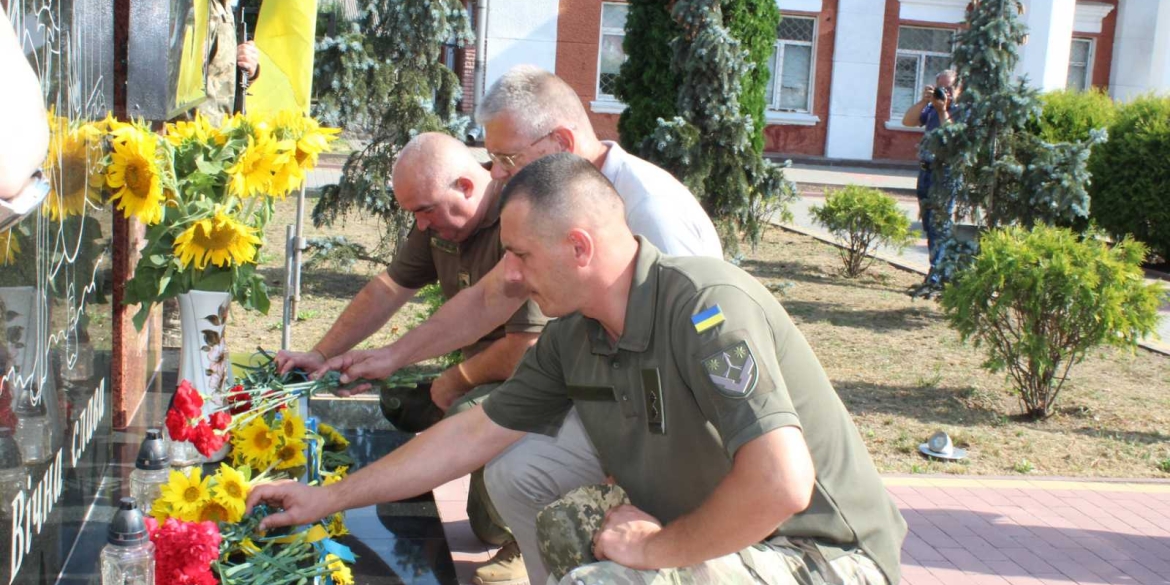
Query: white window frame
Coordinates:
[777,68]
[602,32]
[1088,81]
[920,81]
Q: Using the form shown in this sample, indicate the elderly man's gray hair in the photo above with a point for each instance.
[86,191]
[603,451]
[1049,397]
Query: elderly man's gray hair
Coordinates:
[540,101]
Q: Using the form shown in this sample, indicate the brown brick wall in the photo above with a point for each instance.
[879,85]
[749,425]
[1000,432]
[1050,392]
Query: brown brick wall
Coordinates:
[894,144]
[810,140]
[578,35]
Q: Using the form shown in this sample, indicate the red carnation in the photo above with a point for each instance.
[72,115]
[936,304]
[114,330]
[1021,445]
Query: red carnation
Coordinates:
[220,420]
[188,400]
[205,439]
[177,425]
[184,551]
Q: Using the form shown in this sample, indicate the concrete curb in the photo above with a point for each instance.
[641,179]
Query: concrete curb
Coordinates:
[1158,347]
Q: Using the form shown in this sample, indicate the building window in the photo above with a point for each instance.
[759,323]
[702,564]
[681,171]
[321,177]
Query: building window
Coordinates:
[610,54]
[791,65]
[1080,65]
[923,53]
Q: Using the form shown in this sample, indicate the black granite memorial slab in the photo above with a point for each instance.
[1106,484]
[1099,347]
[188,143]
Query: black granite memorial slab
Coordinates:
[55,315]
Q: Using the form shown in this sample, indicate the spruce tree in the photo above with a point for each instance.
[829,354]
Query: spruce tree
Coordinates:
[648,83]
[989,160]
[382,77]
[709,144]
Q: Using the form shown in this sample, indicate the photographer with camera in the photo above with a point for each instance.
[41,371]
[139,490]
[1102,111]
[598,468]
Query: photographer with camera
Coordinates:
[936,108]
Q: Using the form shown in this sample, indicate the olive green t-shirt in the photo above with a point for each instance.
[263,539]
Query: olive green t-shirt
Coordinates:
[425,258]
[708,361]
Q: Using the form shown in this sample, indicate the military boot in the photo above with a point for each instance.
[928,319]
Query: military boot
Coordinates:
[505,568]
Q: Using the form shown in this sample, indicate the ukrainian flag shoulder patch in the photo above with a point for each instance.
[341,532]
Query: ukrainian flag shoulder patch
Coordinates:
[707,319]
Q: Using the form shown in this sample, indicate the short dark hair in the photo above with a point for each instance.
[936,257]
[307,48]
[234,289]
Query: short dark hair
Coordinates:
[555,186]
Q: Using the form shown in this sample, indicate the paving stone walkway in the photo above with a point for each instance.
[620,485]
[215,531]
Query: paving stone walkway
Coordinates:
[969,531]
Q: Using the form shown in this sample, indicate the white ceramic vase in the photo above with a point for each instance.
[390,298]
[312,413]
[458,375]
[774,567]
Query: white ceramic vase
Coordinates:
[204,360]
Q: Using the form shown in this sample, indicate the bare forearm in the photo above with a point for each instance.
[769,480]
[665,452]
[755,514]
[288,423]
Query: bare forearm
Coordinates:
[912,116]
[499,360]
[455,447]
[460,322]
[769,482]
[366,313]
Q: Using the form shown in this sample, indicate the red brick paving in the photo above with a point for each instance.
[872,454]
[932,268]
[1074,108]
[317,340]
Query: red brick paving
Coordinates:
[962,535]
[967,535]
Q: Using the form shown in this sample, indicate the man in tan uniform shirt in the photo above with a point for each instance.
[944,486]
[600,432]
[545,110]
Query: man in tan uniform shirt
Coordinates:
[455,242]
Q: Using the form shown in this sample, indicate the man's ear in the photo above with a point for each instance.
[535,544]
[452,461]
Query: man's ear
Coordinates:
[582,243]
[465,186]
[565,139]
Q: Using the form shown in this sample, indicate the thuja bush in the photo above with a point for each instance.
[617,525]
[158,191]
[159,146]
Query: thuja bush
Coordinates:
[1069,116]
[1130,174]
[862,219]
[1038,300]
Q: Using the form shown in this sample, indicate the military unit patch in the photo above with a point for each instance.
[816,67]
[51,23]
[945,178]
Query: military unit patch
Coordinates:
[733,370]
[707,319]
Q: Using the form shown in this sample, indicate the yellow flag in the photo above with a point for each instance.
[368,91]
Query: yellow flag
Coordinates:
[285,33]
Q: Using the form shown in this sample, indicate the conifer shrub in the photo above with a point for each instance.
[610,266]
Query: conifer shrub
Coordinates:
[1129,193]
[861,219]
[1069,116]
[1039,300]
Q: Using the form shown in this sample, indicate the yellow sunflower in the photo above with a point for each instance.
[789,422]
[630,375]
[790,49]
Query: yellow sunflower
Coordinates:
[110,124]
[220,240]
[290,454]
[217,511]
[230,484]
[134,175]
[292,426]
[186,495]
[9,247]
[336,525]
[197,130]
[341,574]
[334,440]
[257,443]
[336,476]
[287,176]
[74,172]
[313,142]
[252,174]
[160,510]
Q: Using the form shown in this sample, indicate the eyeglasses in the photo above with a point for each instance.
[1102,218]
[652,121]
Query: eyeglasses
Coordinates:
[508,161]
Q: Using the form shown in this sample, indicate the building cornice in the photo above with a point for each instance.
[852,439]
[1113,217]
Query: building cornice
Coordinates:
[1089,15]
[945,11]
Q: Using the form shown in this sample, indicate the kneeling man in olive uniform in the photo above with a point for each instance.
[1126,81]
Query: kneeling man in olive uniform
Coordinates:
[705,403]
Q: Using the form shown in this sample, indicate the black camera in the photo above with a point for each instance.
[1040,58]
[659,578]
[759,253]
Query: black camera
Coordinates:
[943,93]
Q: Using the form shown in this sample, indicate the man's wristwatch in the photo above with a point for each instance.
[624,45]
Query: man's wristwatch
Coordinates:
[15,209]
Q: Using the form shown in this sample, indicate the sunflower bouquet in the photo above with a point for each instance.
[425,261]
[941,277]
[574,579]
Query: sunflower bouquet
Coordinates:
[205,195]
[202,535]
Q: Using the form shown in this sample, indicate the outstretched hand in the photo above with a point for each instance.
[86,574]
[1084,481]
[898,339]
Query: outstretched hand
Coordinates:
[309,361]
[358,365]
[299,503]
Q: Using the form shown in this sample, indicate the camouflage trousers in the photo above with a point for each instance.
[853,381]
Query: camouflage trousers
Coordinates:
[566,527]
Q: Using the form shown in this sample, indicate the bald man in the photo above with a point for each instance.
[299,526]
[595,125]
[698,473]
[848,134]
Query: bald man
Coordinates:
[733,459]
[455,242]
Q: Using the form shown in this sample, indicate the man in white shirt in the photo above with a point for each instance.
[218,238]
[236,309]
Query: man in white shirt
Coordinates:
[529,113]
